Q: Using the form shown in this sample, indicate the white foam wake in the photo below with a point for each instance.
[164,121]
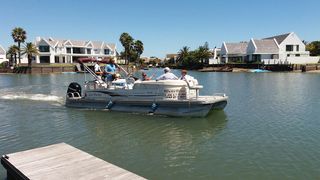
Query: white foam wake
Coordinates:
[33,97]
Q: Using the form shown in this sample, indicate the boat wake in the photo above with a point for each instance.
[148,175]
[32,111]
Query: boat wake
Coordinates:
[33,97]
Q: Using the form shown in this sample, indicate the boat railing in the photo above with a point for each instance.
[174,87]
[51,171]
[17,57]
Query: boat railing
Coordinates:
[220,94]
[96,77]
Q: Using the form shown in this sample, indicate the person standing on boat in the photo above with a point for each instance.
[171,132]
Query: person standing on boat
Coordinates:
[97,69]
[110,70]
[167,75]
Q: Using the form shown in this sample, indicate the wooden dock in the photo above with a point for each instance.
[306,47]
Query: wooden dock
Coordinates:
[61,161]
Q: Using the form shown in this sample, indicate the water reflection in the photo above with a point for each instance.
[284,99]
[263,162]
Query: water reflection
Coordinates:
[134,138]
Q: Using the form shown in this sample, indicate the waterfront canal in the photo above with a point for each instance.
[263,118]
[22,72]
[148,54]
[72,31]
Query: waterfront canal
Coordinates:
[270,128]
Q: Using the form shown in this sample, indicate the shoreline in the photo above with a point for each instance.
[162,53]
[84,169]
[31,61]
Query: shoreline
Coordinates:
[61,68]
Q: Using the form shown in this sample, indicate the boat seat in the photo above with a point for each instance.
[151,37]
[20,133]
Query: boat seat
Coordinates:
[196,87]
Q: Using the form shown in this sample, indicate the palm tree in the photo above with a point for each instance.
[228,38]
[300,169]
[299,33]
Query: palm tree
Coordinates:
[138,47]
[19,35]
[203,53]
[12,53]
[30,50]
[127,42]
[183,53]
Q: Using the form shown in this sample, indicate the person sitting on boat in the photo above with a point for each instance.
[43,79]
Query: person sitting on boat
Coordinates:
[189,79]
[184,76]
[116,76]
[167,75]
[110,69]
[145,77]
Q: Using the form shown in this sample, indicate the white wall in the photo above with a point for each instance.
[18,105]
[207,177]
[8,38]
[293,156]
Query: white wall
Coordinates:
[223,49]
[3,54]
[251,48]
[3,58]
[293,39]
[303,60]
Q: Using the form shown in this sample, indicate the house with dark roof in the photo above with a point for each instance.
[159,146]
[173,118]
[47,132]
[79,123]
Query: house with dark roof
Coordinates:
[284,48]
[52,50]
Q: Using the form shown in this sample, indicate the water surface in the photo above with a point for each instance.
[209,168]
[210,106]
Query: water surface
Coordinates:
[269,129]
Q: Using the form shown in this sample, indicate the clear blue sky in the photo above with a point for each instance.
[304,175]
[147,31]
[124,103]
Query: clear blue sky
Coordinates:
[164,26]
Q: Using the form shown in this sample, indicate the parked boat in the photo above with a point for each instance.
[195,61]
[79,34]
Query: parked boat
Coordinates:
[164,97]
[259,70]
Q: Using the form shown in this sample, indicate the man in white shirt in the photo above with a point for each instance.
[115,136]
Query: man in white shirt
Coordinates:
[189,79]
[184,75]
[167,75]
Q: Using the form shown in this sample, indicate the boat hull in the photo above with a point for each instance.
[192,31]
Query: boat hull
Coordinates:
[199,107]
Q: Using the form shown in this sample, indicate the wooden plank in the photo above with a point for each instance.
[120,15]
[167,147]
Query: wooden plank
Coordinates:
[62,161]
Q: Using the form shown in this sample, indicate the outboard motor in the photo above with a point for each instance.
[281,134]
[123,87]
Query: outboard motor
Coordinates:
[74,90]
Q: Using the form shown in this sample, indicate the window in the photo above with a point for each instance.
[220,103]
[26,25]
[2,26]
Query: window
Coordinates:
[44,49]
[289,47]
[297,48]
[69,50]
[256,57]
[44,59]
[297,55]
[76,51]
[106,51]
[56,59]
[288,55]
[88,51]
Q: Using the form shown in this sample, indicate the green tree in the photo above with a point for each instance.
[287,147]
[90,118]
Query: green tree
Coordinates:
[127,42]
[30,50]
[203,53]
[19,35]
[314,48]
[12,54]
[192,61]
[183,54]
[138,48]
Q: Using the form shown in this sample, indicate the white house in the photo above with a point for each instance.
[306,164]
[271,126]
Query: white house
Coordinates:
[233,52]
[3,55]
[285,48]
[292,49]
[68,51]
[215,58]
[265,49]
